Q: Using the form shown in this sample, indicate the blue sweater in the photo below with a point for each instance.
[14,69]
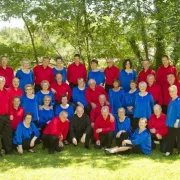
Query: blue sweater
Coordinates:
[45,116]
[125,125]
[22,133]
[30,106]
[63,72]
[40,98]
[130,100]
[173,112]
[97,76]
[69,110]
[125,79]
[25,78]
[143,139]
[116,100]
[79,96]
[143,106]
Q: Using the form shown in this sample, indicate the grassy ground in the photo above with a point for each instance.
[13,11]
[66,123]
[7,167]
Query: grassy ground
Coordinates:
[79,163]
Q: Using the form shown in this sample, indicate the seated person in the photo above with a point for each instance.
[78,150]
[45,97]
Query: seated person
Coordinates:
[158,129]
[26,135]
[123,127]
[104,129]
[64,106]
[139,143]
[55,132]
[80,128]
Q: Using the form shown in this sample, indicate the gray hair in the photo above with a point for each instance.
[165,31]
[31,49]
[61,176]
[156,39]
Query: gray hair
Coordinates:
[157,106]
[91,80]
[121,109]
[25,60]
[142,83]
[143,119]
[2,78]
[105,108]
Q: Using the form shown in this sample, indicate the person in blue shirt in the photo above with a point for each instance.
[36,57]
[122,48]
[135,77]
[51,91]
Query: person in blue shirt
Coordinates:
[139,142]
[123,127]
[29,103]
[25,75]
[46,113]
[96,74]
[126,75]
[172,121]
[26,135]
[64,106]
[116,97]
[60,69]
[143,106]
[45,92]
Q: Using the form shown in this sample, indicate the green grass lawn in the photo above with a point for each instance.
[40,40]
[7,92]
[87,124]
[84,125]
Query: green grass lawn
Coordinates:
[79,163]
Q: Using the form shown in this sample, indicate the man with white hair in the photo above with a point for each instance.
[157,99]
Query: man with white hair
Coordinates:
[5,127]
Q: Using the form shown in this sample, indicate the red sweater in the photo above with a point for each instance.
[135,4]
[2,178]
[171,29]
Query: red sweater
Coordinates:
[57,128]
[8,73]
[162,72]
[156,92]
[105,125]
[74,72]
[41,73]
[143,75]
[62,89]
[159,124]
[111,74]
[18,116]
[93,96]
[4,102]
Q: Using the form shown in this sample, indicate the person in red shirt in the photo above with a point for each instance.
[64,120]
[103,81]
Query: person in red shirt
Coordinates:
[92,93]
[104,129]
[6,71]
[75,71]
[154,89]
[43,72]
[5,127]
[111,73]
[145,72]
[164,70]
[55,132]
[60,88]
[157,127]
[16,114]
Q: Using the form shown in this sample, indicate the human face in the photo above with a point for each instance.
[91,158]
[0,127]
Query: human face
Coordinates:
[59,62]
[63,117]
[81,83]
[165,61]
[4,61]
[94,66]
[92,85]
[115,84]
[142,88]
[105,113]
[28,119]
[121,113]
[2,83]
[150,80]
[59,78]
[157,111]
[47,101]
[45,86]
[142,124]
[146,65]
[79,112]
[16,102]
[76,59]
[26,65]
[128,66]
[64,100]
[170,79]
[133,85]
[45,62]
[173,93]
[102,99]
[29,90]
[109,62]
[15,83]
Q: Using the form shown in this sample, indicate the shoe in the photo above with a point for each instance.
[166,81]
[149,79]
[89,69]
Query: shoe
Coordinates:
[87,147]
[10,152]
[97,146]
[108,152]
[51,151]
[167,154]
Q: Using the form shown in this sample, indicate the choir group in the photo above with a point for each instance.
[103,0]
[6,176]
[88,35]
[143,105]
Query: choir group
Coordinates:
[58,106]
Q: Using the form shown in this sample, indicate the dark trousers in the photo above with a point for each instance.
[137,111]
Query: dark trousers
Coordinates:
[135,124]
[130,116]
[6,132]
[72,85]
[164,109]
[108,87]
[106,139]
[50,141]
[122,137]
[37,88]
[172,138]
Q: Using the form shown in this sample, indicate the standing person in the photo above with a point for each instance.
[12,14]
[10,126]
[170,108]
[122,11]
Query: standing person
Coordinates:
[76,70]
[111,73]
[80,128]
[43,72]
[59,69]
[164,70]
[25,75]
[127,74]
[142,76]
[96,74]
[5,127]
[6,71]
[172,121]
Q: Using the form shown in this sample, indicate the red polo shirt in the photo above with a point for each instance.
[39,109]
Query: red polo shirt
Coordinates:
[156,92]
[4,102]
[143,75]
[92,96]
[162,72]
[62,89]
[159,124]
[18,115]
[105,125]
[8,74]
[111,73]
[57,128]
[41,73]
[74,72]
